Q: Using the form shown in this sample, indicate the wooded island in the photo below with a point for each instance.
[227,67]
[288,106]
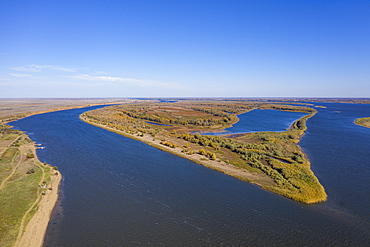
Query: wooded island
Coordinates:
[272,160]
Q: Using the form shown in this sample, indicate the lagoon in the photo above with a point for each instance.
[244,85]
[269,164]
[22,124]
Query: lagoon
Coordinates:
[118,191]
[258,120]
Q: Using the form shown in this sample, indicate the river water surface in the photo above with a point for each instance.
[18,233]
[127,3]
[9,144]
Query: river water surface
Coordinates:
[121,192]
[264,120]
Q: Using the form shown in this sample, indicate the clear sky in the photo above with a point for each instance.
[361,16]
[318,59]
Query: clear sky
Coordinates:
[184,48]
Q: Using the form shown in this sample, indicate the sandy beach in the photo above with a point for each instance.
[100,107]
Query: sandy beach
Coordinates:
[35,230]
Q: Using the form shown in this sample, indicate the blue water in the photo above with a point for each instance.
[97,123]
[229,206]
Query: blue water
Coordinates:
[121,192]
[261,120]
[264,120]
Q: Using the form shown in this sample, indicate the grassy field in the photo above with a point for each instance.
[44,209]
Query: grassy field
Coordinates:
[274,156]
[20,176]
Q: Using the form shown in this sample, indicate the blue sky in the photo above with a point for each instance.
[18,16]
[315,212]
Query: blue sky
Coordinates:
[184,48]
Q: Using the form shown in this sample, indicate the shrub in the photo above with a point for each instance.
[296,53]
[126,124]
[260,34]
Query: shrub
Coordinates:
[30,155]
[31,171]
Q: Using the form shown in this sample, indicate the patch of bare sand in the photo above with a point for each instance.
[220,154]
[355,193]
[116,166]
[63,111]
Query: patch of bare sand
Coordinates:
[34,233]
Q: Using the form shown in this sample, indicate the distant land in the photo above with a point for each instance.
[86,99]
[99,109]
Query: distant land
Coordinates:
[16,108]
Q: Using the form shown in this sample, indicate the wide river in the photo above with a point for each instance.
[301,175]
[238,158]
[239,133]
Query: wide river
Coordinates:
[121,192]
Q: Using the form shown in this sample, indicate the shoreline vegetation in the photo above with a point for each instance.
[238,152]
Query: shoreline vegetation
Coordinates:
[271,160]
[28,190]
[365,122]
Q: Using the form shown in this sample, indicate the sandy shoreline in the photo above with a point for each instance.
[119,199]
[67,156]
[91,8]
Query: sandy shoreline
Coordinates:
[307,192]
[239,173]
[35,230]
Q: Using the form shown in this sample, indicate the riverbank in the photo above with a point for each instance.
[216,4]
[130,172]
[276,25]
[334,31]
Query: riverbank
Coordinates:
[34,233]
[28,190]
[217,165]
[27,225]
